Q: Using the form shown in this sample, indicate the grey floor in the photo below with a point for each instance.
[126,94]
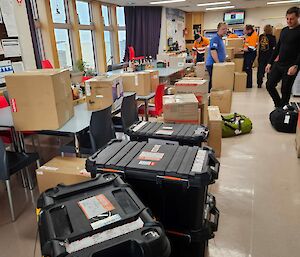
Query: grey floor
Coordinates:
[258,193]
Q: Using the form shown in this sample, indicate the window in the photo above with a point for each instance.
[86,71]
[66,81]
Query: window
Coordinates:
[105,15]
[83,11]
[108,48]
[58,11]
[63,48]
[120,16]
[122,43]
[86,42]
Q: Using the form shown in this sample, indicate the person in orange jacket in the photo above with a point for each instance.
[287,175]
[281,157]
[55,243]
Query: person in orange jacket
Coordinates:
[250,52]
[199,47]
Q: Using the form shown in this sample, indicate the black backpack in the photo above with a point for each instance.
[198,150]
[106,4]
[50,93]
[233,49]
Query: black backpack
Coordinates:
[285,119]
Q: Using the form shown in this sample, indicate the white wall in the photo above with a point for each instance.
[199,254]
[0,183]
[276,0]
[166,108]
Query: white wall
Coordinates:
[274,15]
[163,32]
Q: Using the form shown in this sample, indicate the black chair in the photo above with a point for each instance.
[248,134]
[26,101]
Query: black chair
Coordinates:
[129,114]
[11,163]
[100,132]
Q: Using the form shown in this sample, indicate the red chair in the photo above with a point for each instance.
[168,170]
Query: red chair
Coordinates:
[132,54]
[5,134]
[156,109]
[46,64]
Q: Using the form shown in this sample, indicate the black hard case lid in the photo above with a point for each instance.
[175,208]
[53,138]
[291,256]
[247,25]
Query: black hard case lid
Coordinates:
[183,133]
[175,166]
[61,219]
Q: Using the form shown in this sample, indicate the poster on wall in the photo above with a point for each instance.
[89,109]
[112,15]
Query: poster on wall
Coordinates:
[11,47]
[7,11]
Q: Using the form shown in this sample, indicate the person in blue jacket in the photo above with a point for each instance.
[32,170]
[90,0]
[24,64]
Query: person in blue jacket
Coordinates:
[217,50]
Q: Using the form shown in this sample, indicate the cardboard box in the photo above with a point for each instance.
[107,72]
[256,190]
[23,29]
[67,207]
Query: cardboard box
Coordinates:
[230,51]
[239,64]
[200,70]
[181,108]
[204,113]
[61,170]
[298,137]
[236,43]
[154,79]
[197,87]
[40,99]
[215,129]
[103,91]
[177,61]
[240,81]
[223,76]
[139,82]
[222,99]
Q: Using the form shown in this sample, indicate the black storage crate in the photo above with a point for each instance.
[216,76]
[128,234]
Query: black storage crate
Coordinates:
[98,218]
[184,134]
[172,180]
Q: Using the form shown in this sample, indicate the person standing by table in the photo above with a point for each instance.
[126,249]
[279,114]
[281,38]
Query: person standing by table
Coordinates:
[199,47]
[287,54]
[217,50]
[250,52]
[267,43]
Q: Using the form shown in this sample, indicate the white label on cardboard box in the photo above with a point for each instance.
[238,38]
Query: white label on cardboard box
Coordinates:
[136,80]
[88,89]
[48,168]
[199,161]
[104,236]
[164,132]
[99,96]
[139,126]
[155,148]
[150,156]
[106,221]
[40,173]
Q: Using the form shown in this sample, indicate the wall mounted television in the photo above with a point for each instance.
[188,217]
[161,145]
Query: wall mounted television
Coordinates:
[234,17]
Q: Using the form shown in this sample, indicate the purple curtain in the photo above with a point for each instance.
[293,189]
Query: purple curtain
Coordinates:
[143,30]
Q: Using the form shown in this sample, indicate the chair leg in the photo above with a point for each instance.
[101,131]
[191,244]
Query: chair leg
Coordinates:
[30,181]
[38,164]
[24,180]
[12,212]
[33,143]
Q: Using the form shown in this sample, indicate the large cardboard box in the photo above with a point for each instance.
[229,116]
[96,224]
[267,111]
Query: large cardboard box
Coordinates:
[103,91]
[139,82]
[215,129]
[240,81]
[40,99]
[230,51]
[222,99]
[298,137]
[177,61]
[154,79]
[223,76]
[61,170]
[197,87]
[200,70]
[181,108]
[239,64]
[236,43]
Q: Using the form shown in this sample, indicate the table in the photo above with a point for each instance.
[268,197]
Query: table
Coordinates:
[146,100]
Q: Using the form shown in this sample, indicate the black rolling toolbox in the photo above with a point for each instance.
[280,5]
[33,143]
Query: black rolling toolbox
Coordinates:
[184,134]
[98,218]
[172,180]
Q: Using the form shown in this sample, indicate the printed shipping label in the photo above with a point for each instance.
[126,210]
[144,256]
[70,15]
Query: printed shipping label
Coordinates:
[147,163]
[155,148]
[150,156]
[287,119]
[95,206]
[164,132]
[139,126]
[107,221]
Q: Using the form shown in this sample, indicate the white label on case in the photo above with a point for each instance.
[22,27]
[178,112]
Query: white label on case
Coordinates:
[150,156]
[287,119]
[199,161]
[164,132]
[106,221]
[139,126]
[156,148]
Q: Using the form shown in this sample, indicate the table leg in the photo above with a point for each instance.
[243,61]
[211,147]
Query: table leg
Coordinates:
[146,110]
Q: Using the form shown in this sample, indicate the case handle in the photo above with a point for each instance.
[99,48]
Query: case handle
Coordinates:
[173,180]
[212,211]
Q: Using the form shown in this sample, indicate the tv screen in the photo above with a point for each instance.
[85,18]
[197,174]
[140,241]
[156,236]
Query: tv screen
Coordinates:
[234,17]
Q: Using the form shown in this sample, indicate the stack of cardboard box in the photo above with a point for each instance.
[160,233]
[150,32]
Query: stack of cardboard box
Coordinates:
[200,70]
[222,86]
[236,43]
[61,170]
[215,129]
[103,91]
[139,82]
[40,99]
[230,52]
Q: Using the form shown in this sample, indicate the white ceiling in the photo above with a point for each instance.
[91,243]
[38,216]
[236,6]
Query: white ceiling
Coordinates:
[191,5]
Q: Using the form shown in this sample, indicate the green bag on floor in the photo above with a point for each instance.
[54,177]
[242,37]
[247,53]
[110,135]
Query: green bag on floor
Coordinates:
[235,124]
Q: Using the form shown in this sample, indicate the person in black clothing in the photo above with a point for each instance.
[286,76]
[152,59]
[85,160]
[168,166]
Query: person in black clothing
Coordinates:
[267,43]
[287,56]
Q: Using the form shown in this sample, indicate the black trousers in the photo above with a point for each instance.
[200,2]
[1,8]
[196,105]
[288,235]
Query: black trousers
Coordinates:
[210,71]
[200,57]
[262,63]
[249,58]
[279,72]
